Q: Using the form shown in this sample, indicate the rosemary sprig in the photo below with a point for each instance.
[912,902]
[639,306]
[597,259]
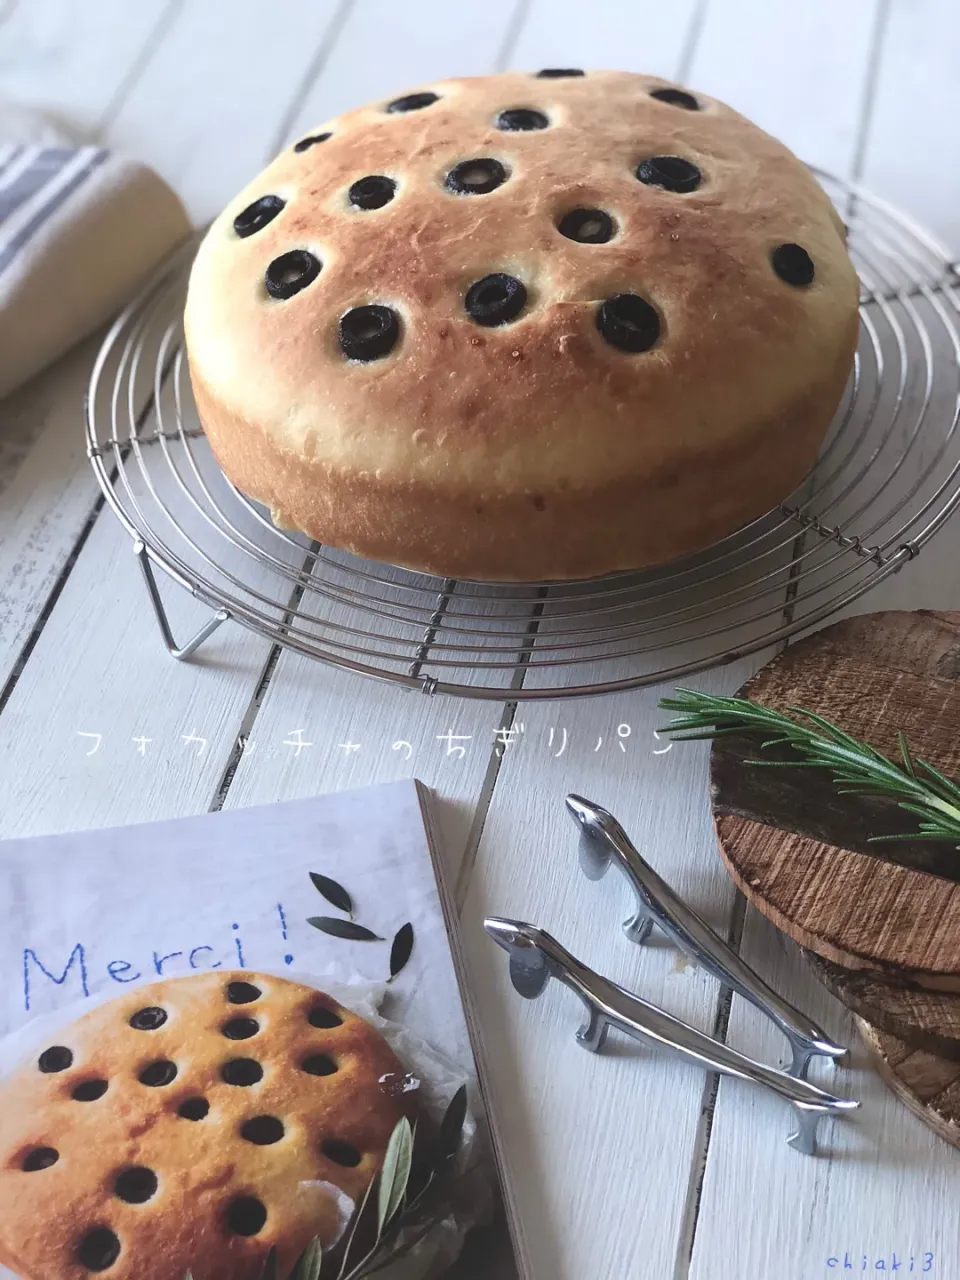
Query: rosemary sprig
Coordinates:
[858,769]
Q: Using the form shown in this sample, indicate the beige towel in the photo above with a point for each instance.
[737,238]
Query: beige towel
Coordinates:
[80,229]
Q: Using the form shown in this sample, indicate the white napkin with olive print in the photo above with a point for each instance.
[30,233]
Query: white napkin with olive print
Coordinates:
[80,228]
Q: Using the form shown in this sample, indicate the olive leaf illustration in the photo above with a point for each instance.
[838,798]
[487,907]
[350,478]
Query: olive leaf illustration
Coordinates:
[334,893]
[309,1263]
[346,1272]
[405,1203]
[402,946]
[451,1126]
[349,929]
[401,950]
[408,1204]
[395,1173]
[269,1271]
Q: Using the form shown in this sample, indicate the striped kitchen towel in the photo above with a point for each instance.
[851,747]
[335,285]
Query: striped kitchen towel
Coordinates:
[80,228]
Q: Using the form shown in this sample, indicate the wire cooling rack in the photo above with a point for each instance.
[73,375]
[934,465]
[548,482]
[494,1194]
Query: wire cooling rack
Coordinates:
[887,479]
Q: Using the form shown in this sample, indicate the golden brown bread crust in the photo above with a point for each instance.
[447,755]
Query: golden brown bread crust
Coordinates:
[202,1166]
[534,449]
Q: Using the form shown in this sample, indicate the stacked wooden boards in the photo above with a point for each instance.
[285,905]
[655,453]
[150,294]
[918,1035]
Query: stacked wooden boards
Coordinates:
[880,922]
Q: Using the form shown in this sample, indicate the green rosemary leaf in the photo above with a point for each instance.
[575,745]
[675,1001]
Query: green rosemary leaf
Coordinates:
[785,764]
[951,829]
[856,768]
[833,732]
[905,754]
[706,736]
[949,790]
[395,1173]
[862,789]
[674,704]
[926,832]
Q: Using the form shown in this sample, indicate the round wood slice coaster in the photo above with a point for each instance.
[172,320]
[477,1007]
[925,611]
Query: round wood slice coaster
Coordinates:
[800,852]
[923,1019]
[928,1085]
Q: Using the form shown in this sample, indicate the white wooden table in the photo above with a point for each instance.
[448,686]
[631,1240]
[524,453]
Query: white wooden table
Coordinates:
[627,1165]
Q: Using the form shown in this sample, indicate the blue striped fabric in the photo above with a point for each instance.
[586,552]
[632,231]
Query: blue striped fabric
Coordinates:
[8,154]
[35,182]
[22,180]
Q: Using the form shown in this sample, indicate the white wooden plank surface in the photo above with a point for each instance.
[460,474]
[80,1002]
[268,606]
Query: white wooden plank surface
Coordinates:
[566,1114]
[799,70]
[886,1189]
[357,730]
[49,58]
[911,144]
[73,60]
[103,617]
[386,48]
[48,51]
[644,36]
[98,689]
[219,86]
[47,492]
[100,668]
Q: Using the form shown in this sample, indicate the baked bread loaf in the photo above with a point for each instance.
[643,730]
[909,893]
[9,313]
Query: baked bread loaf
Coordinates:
[524,326]
[193,1124]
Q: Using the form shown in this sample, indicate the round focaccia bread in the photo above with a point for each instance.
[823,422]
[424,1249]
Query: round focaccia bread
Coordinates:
[524,326]
[193,1124]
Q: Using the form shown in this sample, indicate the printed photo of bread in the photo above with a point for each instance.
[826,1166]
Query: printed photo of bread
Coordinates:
[194,1124]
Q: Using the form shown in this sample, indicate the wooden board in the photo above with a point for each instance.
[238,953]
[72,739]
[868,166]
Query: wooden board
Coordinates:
[801,853]
[923,1019]
[928,1085]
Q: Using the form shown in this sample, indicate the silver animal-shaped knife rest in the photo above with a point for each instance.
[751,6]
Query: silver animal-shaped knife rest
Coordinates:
[535,957]
[603,842]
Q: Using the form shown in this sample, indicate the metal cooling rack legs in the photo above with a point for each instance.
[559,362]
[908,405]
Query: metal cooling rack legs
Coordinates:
[180,652]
